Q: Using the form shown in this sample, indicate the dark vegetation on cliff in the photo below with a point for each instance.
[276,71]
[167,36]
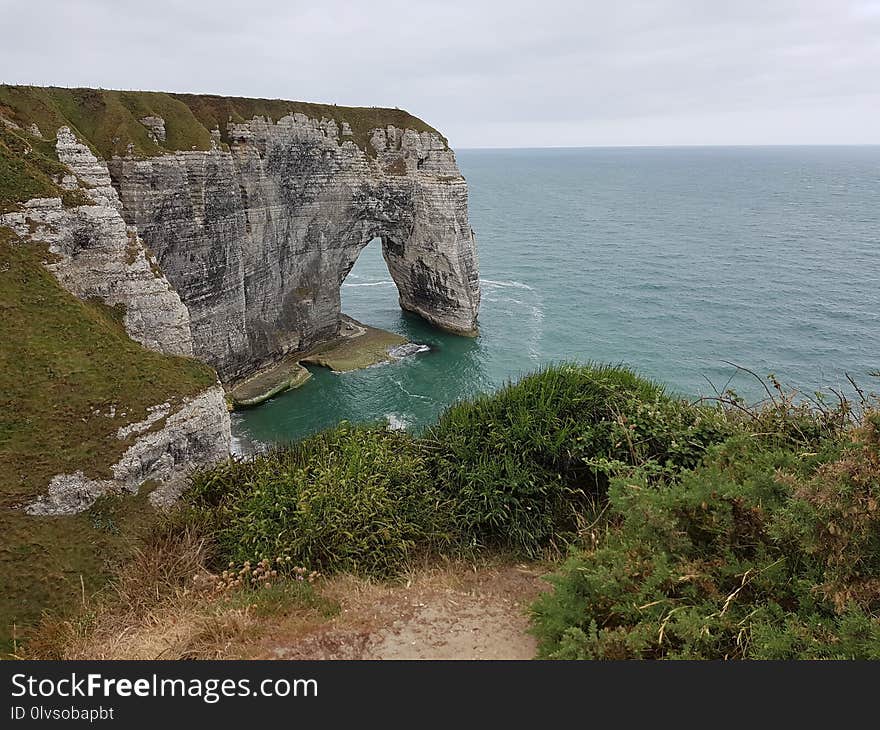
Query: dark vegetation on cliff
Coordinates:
[109,122]
[764,551]
[66,365]
[769,548]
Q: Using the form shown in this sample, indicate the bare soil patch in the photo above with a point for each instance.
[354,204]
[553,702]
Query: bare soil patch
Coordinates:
[455,612]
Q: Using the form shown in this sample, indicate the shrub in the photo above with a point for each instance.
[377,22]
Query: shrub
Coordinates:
[790,418]
[762,551]
[521,465]
[514,470]
[352,498]
[835,518]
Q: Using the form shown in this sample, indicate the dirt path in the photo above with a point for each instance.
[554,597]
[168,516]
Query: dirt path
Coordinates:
[449,613]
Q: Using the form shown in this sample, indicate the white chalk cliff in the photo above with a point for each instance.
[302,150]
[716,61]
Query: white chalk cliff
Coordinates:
[257,238]
[235,255]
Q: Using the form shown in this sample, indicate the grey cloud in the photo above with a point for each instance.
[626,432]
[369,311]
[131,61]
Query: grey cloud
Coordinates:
[491,73]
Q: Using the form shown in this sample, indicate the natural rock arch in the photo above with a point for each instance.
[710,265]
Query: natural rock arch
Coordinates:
[422,286]
[258,238]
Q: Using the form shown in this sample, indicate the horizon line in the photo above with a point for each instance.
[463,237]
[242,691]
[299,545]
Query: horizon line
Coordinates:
[672,146]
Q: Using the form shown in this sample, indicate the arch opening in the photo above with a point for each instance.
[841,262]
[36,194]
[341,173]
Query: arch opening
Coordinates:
[368,292]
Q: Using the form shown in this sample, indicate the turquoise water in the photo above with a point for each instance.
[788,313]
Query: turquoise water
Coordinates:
[673,260]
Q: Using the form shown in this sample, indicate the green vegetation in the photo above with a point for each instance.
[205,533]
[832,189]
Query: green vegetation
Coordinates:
[69,378]
[356,499]
[524,464]
[697,530]
[109,122]
[516,470]
[28,168]
[767,550]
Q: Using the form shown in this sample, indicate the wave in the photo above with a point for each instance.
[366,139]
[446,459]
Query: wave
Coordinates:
[506,300]
[409,392]
[243,445]
[398,421]
[512,284]
[369,283]
[407,349]
[535,309]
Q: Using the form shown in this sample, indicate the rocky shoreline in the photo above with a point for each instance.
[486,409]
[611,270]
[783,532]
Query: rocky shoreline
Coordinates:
[356,347]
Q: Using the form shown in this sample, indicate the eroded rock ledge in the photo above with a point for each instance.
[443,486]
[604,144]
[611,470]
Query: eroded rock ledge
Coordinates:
[170,442]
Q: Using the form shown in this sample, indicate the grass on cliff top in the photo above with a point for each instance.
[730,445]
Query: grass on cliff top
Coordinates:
[108,120]
[27,169]
[215,111]
[60,360]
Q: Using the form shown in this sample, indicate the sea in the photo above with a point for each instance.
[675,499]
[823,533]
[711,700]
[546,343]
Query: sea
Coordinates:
[691,265]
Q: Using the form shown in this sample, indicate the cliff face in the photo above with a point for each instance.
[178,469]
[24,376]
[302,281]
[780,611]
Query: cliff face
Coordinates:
[257,209]
[167,444]
[257,238]
[97,255]
[221,229]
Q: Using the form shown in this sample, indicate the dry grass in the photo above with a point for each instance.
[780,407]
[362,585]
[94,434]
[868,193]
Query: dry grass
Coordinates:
[150,610]
[165,604]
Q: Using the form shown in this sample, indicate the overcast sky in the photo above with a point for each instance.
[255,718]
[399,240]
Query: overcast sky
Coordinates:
[490,74]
